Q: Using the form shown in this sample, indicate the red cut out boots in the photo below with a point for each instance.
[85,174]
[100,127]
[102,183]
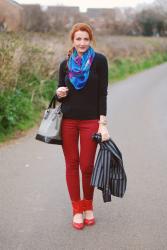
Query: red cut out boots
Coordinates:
[78,214]
[88,207]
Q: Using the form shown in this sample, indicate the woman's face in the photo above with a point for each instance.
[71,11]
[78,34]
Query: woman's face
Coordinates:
[81,41]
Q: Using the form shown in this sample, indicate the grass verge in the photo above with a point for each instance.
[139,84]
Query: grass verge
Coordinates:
[20,108]
[121,68]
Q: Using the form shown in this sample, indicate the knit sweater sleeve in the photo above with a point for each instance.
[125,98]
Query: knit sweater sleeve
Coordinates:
[62,73]
[103,85]
[61,79]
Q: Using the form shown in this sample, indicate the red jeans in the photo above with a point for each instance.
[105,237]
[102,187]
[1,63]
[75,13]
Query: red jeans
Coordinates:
[71,131]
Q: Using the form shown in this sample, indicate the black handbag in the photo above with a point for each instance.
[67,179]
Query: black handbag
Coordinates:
[50,127]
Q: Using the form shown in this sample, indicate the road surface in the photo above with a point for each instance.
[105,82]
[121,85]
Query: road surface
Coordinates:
[35,211]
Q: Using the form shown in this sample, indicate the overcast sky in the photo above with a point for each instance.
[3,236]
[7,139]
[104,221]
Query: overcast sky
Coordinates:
[84,4]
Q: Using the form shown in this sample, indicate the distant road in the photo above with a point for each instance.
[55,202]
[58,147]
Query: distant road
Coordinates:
[35,212]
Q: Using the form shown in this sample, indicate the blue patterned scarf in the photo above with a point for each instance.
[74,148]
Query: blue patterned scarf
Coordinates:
[79,67]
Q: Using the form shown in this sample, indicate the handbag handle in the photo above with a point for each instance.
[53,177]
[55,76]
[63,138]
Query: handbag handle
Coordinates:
[52,103]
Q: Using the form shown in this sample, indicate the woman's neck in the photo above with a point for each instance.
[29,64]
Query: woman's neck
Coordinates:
[80,54]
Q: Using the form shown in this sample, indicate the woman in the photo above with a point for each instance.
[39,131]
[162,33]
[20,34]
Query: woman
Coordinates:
[82,89]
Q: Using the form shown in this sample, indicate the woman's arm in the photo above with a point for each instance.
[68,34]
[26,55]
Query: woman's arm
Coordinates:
[103,81]
[62,90]
[103,84]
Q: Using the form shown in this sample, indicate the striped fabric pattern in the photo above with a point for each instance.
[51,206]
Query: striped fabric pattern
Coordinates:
[108,174]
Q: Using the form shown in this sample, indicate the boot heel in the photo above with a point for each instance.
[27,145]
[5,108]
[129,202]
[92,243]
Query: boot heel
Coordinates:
[89,222]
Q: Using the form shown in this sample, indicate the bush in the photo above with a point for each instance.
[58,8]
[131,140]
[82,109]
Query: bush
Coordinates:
[20,109]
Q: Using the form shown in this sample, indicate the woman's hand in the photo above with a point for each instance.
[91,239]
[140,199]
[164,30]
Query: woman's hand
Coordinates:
[103,128]
[104,132]
[62,92]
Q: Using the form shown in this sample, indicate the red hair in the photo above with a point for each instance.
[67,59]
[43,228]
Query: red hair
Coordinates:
[82,27]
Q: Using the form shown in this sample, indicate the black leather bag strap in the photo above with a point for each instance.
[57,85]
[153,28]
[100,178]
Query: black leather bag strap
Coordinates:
[52,103]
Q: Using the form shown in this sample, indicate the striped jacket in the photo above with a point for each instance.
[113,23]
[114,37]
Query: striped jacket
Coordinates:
[108,174]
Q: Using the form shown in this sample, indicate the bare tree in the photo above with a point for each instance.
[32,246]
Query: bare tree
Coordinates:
[153,19]
[35,19]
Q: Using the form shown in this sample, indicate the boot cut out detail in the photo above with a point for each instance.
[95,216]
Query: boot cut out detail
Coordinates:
[78,222]
[88,212]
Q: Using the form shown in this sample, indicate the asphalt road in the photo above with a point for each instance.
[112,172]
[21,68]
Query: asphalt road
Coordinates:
[35,211]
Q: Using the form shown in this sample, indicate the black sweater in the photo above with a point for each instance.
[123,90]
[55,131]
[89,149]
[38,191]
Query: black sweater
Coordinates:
[89,102]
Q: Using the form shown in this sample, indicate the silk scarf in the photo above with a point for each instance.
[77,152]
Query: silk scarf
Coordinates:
[79,67]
